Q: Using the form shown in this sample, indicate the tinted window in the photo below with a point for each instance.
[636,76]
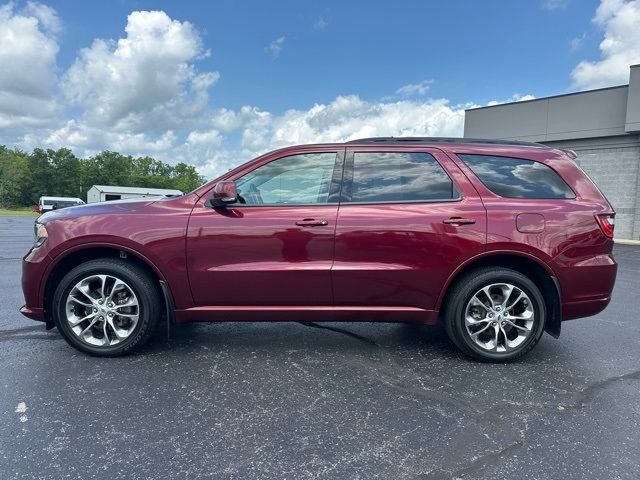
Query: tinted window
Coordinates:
[297,179]
[399,177]
[517,178]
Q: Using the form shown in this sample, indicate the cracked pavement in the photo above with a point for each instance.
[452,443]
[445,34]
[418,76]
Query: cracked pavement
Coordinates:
[319,401]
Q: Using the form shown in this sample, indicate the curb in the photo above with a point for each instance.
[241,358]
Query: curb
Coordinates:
[624,241]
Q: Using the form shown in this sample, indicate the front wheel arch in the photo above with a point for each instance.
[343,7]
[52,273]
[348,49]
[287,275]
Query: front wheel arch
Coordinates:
[76,256]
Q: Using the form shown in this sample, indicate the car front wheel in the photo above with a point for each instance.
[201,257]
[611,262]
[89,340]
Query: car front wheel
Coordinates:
[107,307]
[495,314]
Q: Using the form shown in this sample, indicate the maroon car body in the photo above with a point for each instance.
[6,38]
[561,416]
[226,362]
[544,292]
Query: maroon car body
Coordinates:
[381,261]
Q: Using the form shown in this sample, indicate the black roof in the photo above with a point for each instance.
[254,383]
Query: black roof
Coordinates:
[453,140]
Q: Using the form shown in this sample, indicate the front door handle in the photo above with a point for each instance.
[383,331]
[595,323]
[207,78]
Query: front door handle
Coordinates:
[459,221]
[311,222]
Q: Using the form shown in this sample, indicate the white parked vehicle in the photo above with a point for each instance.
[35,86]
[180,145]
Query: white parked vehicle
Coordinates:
[54,203]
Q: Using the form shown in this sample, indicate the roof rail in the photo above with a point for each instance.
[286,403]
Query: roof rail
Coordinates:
[461,140]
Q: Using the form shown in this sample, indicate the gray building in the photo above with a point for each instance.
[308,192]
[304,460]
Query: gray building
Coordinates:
[602,126]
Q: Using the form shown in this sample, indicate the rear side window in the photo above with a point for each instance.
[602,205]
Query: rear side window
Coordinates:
[399,177]
[517,177]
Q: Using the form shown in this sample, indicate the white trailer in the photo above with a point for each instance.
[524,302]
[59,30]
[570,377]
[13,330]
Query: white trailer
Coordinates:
[46,203]
[105,193]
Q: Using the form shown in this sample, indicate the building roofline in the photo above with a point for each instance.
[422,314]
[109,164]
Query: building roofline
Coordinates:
[551,96]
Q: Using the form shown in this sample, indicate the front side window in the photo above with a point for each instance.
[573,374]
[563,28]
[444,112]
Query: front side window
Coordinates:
[294,180]
[517,177]
[399,177]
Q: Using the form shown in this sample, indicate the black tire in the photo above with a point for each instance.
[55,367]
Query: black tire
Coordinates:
[462,292]
[145,288]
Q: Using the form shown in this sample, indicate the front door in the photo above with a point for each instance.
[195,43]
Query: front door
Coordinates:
[274,247]
[404,224]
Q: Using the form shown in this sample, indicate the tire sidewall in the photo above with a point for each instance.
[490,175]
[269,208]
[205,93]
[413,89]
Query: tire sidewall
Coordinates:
[458,327]
[131,277]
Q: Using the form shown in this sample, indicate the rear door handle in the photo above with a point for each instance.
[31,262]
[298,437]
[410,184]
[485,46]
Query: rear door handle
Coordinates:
[459,221]
[311,222]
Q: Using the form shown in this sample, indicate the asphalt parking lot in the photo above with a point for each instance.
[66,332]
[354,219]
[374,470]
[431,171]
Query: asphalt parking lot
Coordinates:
[324,401]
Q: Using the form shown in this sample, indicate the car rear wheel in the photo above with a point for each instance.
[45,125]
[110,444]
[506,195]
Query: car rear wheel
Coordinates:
[495,314]
[107,307]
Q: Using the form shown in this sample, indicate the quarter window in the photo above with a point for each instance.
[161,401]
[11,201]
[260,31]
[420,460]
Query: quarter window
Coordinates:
[399,177]
[517,177]
[296,179]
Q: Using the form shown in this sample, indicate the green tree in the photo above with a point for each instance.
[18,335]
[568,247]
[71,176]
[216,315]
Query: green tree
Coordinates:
[13,177]
[24,177]
[186,177]
[67,173]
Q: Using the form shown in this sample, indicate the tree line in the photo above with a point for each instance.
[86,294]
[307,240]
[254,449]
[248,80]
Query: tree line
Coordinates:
[24,177]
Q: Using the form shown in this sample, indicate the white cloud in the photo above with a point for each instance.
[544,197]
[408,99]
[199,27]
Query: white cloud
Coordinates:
[86,140]
[349,117]
[320,24]
[414,89]
[620,48]
[345,118]
[28,50]
[516,97]
[46,15]
[209,137]
[145,80]
[275,48]
[554,4]
[576,42]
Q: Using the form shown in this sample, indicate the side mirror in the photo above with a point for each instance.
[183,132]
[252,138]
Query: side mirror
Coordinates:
[223,193]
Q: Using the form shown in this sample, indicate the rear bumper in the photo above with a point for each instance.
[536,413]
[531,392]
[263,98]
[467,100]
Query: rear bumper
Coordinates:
[585,308]
[587,286]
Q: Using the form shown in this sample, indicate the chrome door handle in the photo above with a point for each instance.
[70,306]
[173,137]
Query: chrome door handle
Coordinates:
[459,221]
[311,222]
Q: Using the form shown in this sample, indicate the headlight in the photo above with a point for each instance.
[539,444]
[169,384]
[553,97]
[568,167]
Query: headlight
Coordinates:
[39,234]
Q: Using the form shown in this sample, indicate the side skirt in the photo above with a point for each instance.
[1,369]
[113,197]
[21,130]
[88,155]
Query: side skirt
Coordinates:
[233,313]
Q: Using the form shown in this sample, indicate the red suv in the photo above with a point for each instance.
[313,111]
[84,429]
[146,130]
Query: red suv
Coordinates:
[499,240]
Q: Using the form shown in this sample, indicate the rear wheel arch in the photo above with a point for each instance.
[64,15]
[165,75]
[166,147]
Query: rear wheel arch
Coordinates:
[530,266]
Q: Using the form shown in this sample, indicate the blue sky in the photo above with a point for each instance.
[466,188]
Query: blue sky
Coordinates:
[472,50]
[214,83]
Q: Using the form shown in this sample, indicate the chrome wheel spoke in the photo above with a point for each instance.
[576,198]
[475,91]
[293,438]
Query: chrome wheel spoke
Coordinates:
[103,322]
[507,294]
[528,316]
[506,309]
[84,289]
[76,321]
[515,302]
[118,285]
[105,339]
[479,303]
[518,327]
[475,334]
[85,330]
[84,304]
[119,333]
[487,292]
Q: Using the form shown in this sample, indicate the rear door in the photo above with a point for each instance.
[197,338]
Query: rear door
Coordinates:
[408,216]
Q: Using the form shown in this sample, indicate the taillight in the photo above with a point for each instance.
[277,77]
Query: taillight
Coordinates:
[606,221]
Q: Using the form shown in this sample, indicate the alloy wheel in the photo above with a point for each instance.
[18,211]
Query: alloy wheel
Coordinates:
[499,317]
[102,310]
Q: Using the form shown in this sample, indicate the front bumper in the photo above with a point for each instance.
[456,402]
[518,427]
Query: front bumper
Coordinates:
[33,313]
[34,269]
